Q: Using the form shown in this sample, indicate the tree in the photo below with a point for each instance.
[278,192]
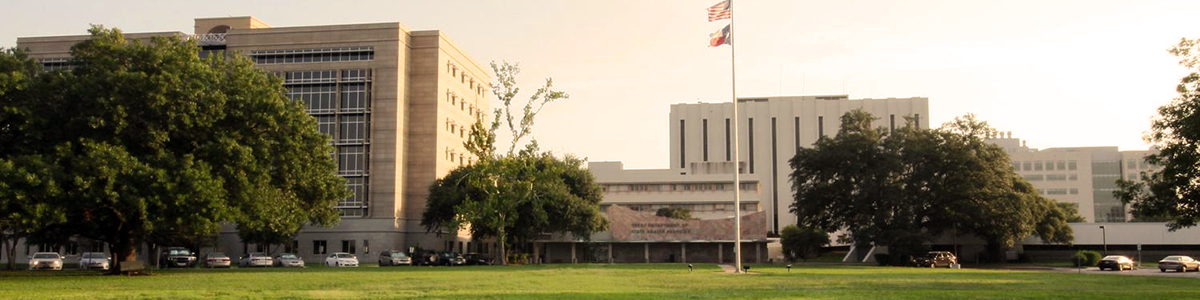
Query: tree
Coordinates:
[145,138]
[674,213]
[901,188]
[1172,192]
[1071,211]
[520,195]
[803,243]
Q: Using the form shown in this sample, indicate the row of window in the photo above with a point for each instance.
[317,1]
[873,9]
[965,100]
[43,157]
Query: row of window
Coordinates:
[323,98]
[1052,177]
[265,57]
[349,246]
[453,156]
[344,128]
[467,80]
[461,103]
[622,188]
[1059,191]
[1047,165]
[700,208]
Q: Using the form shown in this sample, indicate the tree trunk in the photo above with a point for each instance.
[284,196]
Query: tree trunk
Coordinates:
[10,247]
[124,248]
[503,254]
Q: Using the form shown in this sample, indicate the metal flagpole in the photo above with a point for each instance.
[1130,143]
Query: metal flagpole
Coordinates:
[737,172]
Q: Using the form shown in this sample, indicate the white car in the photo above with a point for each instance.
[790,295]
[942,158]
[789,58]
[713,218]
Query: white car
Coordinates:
[256,260]
[341,259]
[45,260]
[93,260]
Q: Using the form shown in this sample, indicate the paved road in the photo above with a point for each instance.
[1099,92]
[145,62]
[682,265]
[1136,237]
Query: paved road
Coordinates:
[1138,272]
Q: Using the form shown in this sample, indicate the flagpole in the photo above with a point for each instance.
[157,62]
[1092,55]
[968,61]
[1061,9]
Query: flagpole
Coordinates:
[737,176]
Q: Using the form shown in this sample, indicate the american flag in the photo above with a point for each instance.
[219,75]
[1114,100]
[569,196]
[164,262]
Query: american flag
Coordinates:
[720,11]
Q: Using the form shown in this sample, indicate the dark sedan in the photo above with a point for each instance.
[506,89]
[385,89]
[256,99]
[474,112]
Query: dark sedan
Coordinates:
[1178,263]
[476,259]
[1116,263]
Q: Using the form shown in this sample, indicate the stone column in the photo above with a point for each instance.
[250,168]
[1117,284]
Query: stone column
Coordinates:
[757,253]
[573,260]
[720,254]
[683,248]
[647,247]
[610,259]
[536,252]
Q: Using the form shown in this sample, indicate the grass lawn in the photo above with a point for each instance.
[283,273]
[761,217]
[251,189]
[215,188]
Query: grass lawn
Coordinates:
[634,281]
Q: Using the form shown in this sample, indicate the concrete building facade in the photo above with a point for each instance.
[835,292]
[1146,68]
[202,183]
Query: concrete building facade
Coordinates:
[396,102]
[771,130]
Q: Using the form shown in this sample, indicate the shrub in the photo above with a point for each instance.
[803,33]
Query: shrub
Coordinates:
[1024,258]
[1086,258]
[882,258]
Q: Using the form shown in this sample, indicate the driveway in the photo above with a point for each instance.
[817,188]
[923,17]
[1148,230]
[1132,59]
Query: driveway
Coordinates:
[1138,272]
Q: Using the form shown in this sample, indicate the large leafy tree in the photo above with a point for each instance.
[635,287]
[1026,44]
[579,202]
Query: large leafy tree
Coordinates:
[143,139]
[901,188]
[1171,191]
[520,195]
[802,243]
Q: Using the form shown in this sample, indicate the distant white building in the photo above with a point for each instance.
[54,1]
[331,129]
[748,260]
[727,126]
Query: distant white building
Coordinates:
[1084,176]
[772,129]
[706,191]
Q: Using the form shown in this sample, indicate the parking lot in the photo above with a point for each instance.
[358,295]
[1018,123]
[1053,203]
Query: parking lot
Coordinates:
[1135,272]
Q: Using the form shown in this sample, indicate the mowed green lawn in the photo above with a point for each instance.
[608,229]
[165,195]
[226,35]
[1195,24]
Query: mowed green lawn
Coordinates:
[633,281]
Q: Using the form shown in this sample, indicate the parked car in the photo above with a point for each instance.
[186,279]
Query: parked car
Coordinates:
[476,259]
[425,258]
[1178,263]
[451,259]
[177,257]
[46,260]
[93,260]
[255,260]
[341,259]
[1116,263]
[394,258]
[216,260]
[933,259]
[289,260]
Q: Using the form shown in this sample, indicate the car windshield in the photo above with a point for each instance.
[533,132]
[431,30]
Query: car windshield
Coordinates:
[258,255]
[93,255]
[178,252]
[345,255]
[288,256]
[1174,258]
[45,255]
[217,254]
[399,254]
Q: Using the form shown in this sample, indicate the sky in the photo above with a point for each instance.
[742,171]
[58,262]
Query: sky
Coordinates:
[1055,73]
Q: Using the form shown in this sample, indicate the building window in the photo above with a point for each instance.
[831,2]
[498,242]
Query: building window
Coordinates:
[1037,165]
[354,97]
[1026,166]
[750,132]
[1074,191]
[1061,165]
[1034,177]
[728,152]
[366,247]
[820,127]
[797,133]
[351,160]
[917,120]
[1073,177]
[266,57]
[1056,177]
[705,136]
[892,123]
[319,247]
[1071,165]
[682,144]
[348,246]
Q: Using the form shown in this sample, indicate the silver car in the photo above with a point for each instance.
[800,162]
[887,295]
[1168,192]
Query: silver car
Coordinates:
[46,260]
[93,260]
[256,260]
[289,260]
[394,258]
[216,260]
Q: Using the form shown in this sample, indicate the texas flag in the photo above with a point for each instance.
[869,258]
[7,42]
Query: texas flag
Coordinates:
[721,37]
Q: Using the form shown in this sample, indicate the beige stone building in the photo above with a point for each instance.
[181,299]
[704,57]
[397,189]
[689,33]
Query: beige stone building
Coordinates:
[396,102]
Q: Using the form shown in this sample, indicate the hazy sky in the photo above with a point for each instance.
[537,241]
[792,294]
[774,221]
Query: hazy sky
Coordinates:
[1056,73]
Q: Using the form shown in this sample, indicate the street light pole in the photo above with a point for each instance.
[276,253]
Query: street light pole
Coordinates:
[1104,237]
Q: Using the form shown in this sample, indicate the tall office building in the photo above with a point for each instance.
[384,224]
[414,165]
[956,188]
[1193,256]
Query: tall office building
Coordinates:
[396,102]
[771,130]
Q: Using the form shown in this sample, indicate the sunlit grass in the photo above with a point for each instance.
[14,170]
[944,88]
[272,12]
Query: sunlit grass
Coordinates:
[590,281]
